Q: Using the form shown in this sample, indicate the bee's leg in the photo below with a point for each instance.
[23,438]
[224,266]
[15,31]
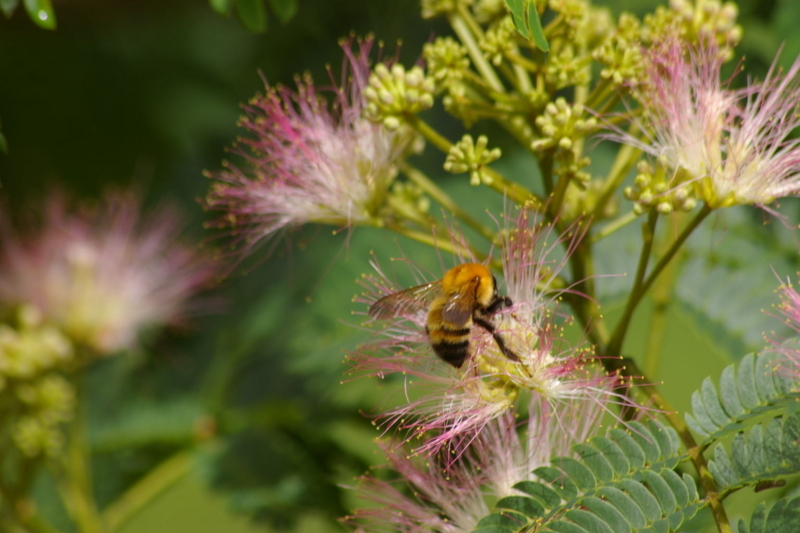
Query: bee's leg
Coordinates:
[500,302]
[488,326]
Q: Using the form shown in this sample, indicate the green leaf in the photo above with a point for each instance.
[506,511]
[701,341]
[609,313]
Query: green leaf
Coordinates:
[662,491]
[285,10]
[600,466]
[41,12]
[562,484]
[632,450]
[252,14]
[527,506]
[646,501]
[622,501]
[542,493]
[562,526]
[756,387]
[728,394]
[581,475]
[588,521]
[765,453]
[746,383]
[526,20]
[646,441]
[612,453]
[8,7]
[783,517]
[677,488]
[609,513]
[497,523]
[598,492]
[222,7]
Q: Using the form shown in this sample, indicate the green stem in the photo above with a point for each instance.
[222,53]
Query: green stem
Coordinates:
[459,20]
[601,90]
[440,243]
[623,163]
[662,296]
[76,481]
[648,234]
[613,226]
[546,168]
[523,62]
[499,183]
[158,480]
[638,293]
[557,198]
[442,198]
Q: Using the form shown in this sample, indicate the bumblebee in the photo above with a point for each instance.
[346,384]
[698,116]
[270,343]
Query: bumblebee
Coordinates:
[465,296]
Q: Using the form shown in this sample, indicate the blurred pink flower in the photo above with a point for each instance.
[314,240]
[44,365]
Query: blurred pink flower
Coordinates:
[734,146]
[102,275]
[307,161]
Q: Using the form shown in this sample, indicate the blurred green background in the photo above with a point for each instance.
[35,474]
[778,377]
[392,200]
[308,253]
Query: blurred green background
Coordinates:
[147,93]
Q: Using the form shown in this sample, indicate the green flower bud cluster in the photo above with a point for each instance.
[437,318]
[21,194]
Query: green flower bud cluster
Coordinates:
[566,68]
[574,14]
[500,40]
[621,53]
[36,399]
[702,20]
[436,8]
[47,403]
[654,190]
[31,348]
[470,156]
[487,11]
[562,126]
[447,61]
[393,94]
[409,198]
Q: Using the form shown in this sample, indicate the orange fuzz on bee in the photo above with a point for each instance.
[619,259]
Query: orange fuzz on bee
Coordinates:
[466,295]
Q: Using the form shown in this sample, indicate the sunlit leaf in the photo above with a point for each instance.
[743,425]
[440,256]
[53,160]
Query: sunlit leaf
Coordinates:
[41,12]
[285,10]
[526,19]
[252,14]
[223,7]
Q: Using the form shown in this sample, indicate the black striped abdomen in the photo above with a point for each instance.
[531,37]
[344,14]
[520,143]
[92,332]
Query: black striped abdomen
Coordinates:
[450,344]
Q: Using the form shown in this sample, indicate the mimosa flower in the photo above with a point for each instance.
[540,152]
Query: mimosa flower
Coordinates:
[734,146]
[789,308]
[305,160]
[102,275]
[445,408]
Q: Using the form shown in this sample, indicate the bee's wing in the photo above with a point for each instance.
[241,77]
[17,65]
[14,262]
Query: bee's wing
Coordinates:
[460,306]
[407,302]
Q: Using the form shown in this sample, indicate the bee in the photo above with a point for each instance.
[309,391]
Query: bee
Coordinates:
[466,295]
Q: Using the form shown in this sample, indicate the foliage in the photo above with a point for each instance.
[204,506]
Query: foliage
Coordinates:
[622,482]
[249,391]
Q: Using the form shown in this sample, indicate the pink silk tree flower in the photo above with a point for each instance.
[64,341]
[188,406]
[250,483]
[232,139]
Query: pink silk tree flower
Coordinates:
[103,274]
[305,160]
[789,308]
[444,408]
[733,146]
